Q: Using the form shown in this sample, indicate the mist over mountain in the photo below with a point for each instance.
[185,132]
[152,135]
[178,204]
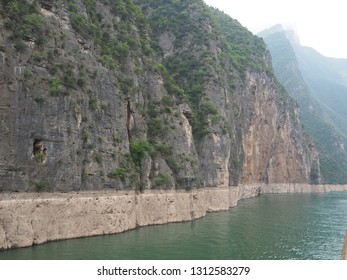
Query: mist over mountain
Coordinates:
[318,84]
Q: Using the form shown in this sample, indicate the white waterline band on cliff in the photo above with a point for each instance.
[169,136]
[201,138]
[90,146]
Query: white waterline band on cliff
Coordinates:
[35,218]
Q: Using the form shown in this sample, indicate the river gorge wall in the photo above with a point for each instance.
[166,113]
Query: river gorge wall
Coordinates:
[137,104]
[27,219]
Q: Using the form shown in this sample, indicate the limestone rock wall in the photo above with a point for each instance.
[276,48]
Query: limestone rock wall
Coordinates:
[74,117]
[276,150]
[27,219]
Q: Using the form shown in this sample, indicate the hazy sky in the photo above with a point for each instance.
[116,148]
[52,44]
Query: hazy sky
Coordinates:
[321,24]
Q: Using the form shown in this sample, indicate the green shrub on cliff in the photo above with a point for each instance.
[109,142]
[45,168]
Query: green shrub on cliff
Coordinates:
[25,21]
[138,150]
[40,185]
[114,37]
[162,179]
[119,173]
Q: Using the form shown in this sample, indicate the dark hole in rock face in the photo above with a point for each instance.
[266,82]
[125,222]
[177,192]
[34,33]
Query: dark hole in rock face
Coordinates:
[38,146]
[39,151]
[46,6]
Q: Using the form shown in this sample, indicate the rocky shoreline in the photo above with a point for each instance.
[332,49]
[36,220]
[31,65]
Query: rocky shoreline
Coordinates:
[27,219]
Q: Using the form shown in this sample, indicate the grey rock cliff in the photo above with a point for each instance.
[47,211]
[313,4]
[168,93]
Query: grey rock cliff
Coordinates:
[97,105]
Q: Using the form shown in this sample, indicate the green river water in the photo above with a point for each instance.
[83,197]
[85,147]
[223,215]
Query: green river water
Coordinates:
[268,227]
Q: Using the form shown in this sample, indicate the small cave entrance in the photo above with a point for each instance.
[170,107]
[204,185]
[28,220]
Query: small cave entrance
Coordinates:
[39,151]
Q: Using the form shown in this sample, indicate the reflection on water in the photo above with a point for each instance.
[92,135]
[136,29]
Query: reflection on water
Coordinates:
[290,226]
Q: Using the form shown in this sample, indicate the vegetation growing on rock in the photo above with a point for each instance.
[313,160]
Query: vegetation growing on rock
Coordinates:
[140,94]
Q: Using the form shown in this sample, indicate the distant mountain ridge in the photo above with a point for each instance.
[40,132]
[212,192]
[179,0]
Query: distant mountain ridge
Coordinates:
[318,84]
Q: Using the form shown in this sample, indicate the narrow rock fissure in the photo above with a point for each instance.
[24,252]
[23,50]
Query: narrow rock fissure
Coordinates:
[130,114]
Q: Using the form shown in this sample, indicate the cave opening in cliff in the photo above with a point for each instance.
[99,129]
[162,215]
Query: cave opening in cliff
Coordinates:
[39,151]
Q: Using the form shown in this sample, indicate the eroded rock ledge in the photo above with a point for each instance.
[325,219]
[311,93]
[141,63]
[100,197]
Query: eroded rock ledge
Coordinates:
[30,218]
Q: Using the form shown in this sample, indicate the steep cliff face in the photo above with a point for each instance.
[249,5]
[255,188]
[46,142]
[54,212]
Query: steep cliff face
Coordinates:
[107,95]
[72,103]
[254,133]
[274,151]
